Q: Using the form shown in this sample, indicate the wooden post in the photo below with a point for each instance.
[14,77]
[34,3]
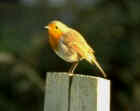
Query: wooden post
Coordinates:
[77,93]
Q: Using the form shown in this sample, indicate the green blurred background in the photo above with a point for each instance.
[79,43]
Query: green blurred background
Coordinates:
[111,27]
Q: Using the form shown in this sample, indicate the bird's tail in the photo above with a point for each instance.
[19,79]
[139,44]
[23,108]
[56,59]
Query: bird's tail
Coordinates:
[94,61]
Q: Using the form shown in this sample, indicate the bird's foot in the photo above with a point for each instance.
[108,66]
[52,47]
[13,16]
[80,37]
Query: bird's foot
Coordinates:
[71,74]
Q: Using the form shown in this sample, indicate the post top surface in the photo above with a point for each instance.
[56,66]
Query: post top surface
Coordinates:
[79,75]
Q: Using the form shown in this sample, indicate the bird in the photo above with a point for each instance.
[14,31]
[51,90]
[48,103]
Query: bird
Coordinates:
[70,45]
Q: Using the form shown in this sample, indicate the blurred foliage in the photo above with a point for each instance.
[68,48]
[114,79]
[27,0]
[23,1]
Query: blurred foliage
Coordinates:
[111,27]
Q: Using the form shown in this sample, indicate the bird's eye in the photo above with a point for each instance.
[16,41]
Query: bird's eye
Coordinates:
[56,27]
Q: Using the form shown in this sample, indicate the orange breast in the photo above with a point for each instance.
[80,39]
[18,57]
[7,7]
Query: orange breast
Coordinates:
[54,35]
[54,39]
[53,42]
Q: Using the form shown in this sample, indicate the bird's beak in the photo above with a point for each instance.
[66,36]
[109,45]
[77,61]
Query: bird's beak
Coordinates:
[46,27]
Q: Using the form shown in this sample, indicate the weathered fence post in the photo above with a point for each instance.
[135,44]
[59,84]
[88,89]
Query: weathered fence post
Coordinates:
[79,93]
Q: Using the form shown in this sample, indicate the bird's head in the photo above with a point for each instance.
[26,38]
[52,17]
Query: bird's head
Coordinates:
[56,28]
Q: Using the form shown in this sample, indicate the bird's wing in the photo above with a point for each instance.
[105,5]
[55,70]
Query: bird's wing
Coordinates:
[75,41]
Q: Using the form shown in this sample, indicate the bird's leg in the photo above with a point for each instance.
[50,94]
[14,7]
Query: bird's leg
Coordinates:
[72,68]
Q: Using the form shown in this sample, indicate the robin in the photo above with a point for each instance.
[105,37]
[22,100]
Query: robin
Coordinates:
[70,45]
